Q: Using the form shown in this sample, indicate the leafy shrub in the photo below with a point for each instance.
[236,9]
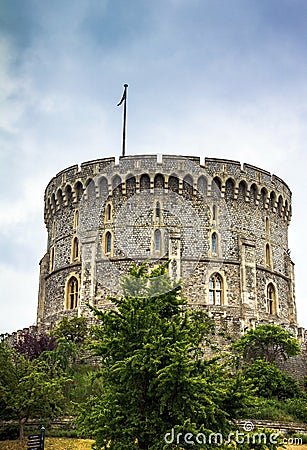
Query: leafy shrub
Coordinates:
[270,381]
[8,432]
[267,409]
[297,407]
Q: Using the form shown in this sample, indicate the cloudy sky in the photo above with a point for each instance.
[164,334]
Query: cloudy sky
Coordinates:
[216,78]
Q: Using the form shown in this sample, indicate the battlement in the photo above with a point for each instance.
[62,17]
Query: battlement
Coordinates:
[69,184]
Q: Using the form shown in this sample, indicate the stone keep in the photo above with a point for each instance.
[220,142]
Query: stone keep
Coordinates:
[223,226]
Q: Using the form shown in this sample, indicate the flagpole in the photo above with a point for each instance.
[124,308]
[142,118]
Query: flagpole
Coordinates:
[124,99]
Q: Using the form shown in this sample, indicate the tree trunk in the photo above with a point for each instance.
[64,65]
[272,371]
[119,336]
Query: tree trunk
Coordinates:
[20,424]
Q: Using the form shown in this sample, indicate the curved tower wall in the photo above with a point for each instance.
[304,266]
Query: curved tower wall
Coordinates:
[250,222]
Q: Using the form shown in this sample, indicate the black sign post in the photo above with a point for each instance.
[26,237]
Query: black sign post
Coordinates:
[37,441]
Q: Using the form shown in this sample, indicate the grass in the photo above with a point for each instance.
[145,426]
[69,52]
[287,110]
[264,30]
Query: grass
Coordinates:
[51,444]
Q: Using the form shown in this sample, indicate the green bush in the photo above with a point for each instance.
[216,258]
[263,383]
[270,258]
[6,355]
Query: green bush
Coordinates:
[266,409]
[297,408]
[8,432]
[271,382]
[60,433]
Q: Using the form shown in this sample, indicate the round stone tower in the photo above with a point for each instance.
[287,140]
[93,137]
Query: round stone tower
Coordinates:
[223,226]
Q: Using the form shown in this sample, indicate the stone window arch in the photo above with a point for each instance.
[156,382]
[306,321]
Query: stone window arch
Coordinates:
[53,203]
[108,215]
[214,212]
[242,190]
[75,251]
[78,190]
[214,243]
[117,185]
[90,189]
[216,187]
[216,289]
[230,189]
[108,242]
[253,193]
[280,205]
[144,182]
[72,293]
[267,225]
[68,194]
[159,181]
[76,218]
[53,232]
[60,197]
[268,259]
[272,200]
[158,210]
[264,196]
[130,185]
[188,186]
[103,187]
[173,183]
[271,303]
[158,240]
[51,260]
[202,185]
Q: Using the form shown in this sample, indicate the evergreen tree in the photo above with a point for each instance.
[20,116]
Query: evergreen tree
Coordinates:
[267,342]
[156,376]
[29,388]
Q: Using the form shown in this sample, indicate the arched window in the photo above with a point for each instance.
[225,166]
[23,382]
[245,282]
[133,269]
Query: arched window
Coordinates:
[159,181]
[216,186]
[253,193]
[242,190]
[267,225]
[60,198]
[264,196]
[144,182]
[214,243]
[117,185]
[215,289]
[53,233]
[267,255]
[187,187]
[173,183]
[68,194]
[75,249]
[53,202]
[214,212]
[72,293]
[202,185]
[271,299]
[108,243]
[230,189]
[103,187]
[108,215]
[76,218]
[157,240]
[51,262]
[79,190]
[130,186]
[158,210]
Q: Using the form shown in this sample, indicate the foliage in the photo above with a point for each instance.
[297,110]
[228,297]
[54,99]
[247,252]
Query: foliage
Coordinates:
[28,389]
[297,407]
[73,330]
[154,369]
[268,342]
[266,409]
[271,382]
[32,345]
